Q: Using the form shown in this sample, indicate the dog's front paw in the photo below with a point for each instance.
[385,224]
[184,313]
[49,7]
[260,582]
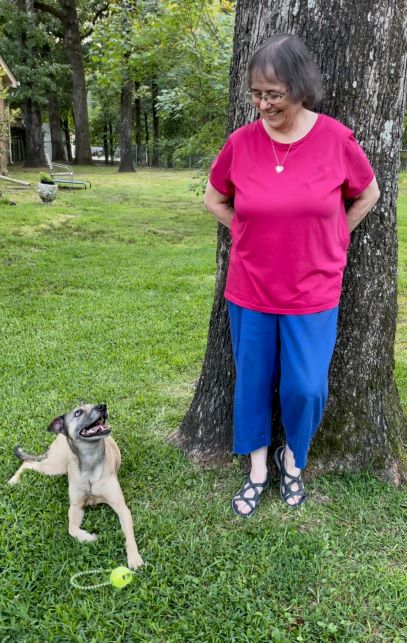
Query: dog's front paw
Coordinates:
[134,561]
[84,536]
[13,480]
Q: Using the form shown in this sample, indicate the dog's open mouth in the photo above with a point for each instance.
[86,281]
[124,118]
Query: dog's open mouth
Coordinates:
[98,428]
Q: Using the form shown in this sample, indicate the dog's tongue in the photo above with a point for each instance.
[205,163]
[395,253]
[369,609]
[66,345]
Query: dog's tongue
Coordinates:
[93,430]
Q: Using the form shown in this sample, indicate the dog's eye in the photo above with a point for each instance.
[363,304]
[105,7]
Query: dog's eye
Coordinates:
[78,412]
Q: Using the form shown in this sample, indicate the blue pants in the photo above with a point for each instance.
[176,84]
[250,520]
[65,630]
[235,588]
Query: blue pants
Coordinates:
[289,351]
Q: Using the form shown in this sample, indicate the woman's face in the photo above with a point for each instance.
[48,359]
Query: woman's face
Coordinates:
[279,114]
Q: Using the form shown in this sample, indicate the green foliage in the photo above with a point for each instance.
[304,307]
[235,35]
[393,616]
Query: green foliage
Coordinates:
[32,51]
[185,47]
[106,297]
[46,178]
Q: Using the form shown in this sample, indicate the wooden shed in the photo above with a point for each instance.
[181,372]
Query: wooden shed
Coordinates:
[7,80]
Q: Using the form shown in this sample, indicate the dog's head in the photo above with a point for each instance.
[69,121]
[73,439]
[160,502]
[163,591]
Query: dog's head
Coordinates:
[86,422]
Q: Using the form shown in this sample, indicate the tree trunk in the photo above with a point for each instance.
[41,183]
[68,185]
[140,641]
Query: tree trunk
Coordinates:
[126,98]
[72,38]
[34,151]
[111,142]
[126,162]
[54,114]
[65,127]
[105,144]
[155,161]
[66,12]
[147,136]
[137,108]
[360,50]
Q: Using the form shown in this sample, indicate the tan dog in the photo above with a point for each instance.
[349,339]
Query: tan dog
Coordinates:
[85,451]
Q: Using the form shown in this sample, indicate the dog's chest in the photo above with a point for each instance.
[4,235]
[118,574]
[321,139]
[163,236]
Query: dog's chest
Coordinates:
[86,479]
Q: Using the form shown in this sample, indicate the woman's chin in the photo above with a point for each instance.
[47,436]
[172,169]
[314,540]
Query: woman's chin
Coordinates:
[273,121]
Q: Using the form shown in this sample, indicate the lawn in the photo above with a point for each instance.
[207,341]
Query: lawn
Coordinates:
[105,297]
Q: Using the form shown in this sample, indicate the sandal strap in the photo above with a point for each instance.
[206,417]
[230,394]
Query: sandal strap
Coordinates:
[253,500]
[249,484]
[294,480]
[286,489]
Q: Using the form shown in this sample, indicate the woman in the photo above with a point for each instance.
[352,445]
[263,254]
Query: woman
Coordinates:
[288,173]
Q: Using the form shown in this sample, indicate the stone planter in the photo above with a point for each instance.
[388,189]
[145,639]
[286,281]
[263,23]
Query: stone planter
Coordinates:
[47,192]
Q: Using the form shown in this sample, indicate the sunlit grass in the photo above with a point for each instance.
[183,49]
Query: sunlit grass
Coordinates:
[105,296]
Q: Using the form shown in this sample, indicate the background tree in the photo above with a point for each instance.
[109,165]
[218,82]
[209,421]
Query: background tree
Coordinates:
[112,81]
[55,124]
[360,49]
[192,101]
[126,95]
[66,14]
[37,63]
[179,63]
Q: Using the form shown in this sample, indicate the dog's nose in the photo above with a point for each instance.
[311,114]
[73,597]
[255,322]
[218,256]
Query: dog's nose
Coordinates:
[101,407]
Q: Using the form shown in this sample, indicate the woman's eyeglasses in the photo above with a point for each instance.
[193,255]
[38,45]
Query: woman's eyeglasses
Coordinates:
[269,97]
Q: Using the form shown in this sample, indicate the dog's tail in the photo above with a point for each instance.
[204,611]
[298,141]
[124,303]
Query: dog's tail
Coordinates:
[28,457]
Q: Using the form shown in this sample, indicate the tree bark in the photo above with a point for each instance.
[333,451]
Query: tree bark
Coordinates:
[155,161]
[34,151]
[72,38]
[137,117]
[105,143]
[68,16]
[147,137]
[126,99]
[111,142]
[359,48]
[65,127]
[54,114]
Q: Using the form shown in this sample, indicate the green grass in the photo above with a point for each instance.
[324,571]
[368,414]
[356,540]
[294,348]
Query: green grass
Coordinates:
[105,296]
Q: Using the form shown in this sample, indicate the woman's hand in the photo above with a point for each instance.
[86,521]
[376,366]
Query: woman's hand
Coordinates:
[218,204]
[362,205]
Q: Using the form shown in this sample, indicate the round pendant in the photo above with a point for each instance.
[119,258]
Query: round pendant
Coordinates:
[279,168]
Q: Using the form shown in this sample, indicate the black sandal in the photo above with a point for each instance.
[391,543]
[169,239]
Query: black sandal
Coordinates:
[286,491]
[254,501]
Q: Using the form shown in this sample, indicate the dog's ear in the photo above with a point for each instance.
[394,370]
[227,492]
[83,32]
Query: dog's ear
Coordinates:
[57,424]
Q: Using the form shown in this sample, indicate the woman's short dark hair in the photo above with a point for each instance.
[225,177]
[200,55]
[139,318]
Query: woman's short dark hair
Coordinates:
[285,58]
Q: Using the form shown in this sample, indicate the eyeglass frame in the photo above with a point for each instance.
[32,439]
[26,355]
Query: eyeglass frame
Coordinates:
[258,99]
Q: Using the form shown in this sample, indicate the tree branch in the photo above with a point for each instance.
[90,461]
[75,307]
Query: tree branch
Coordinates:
[98,14]
[42,6]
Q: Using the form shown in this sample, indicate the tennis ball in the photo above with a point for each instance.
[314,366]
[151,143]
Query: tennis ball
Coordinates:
[120,577]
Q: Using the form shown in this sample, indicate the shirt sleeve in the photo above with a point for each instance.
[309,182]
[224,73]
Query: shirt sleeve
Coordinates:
[220,174]
[359,172]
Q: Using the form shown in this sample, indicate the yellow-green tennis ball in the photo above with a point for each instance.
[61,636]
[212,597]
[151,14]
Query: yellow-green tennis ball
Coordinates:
[120,577]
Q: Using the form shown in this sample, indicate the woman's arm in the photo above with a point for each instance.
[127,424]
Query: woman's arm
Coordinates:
[362,204]
[218,204]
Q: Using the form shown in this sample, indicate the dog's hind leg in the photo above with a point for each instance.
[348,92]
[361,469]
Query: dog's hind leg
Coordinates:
[45,466]
[51,463]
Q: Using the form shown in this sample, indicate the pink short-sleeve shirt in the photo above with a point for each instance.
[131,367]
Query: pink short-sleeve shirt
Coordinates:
[289,231]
